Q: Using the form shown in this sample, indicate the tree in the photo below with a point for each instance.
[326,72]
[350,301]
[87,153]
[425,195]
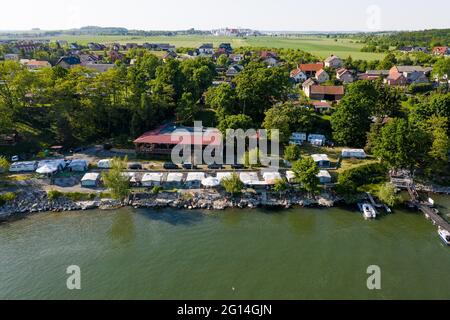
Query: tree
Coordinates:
[388,62]
[281,185]
[115,180]
[223,60]
[306,171]
[441,69]
[292,153]
[439,151]
[223,99]
[401,145]
[288,118]
[235,122]
[233,185]
[388,195]
[4,164]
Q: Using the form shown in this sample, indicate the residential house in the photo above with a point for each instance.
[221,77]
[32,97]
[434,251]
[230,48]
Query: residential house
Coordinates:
[236,58]
[96,46]
[226,47]
[169,55]
[322,76]
[441,51]
[100,67]
[269,57]
[68,62]
[88,58]
[35,64]
[410,49]
[234,70]
[318,92]
[344,75]
[206,49]
[373,75]
[321,160]
[412,74]
[333,62]
[11,57]
[298,76]
[310,69]
[115,56]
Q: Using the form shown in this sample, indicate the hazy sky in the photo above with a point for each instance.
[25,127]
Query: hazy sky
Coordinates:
[279,15]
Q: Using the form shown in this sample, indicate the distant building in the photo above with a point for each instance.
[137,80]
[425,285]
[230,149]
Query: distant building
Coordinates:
[206,49]
[35,64]
[324,177]
[11,57]
[333,62]
[401,75]
[441,51]
[322,76]
[298,76]
[310,69]
[234,70]
[226,47]
[298,138]
[344,75]
[318,92]
[321,160]
[68,62]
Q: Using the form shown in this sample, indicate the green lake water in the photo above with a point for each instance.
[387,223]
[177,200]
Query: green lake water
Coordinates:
[234,254]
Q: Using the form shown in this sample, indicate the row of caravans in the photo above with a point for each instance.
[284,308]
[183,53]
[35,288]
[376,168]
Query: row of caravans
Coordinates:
[52,165]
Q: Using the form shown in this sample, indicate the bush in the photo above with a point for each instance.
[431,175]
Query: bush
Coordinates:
[233,185]
[53,195]
[157,189]
[7,197]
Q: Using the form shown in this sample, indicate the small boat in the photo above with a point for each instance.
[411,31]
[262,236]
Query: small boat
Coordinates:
[369,211]
[445,236]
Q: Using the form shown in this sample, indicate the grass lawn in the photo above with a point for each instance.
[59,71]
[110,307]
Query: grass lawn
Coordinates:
[317,45]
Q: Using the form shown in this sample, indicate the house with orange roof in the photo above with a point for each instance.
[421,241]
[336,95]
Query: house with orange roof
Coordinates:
[441,51]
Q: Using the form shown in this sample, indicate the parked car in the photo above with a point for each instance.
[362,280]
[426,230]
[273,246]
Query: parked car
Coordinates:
[135,166]
[189,166]
[170,166]
[237,166]
[215,167]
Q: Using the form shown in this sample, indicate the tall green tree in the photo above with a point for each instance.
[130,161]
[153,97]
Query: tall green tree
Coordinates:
[115,180]
[306,171]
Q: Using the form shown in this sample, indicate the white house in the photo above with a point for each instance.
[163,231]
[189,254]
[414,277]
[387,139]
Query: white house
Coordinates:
[298,76]
[317,139]
[322,76]
[26,166]
[297,138]
[324,177]
[322,160]
[333,62]
[290,176]
[354,153]
[104,164]
[151,179]
[90,180]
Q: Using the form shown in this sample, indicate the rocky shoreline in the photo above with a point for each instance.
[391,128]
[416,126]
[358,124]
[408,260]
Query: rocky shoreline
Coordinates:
[37,201]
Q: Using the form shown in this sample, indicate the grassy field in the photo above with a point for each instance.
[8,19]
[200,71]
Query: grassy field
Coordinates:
[320,46]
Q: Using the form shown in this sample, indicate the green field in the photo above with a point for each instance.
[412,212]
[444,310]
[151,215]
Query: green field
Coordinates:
[320,46]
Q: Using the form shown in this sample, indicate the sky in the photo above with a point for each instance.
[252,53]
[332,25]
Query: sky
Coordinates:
[264,15]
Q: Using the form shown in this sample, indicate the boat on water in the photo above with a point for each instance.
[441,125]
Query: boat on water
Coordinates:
[368,211]
[445,236]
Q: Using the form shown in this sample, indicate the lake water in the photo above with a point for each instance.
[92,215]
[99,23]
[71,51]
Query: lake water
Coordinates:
[235,254]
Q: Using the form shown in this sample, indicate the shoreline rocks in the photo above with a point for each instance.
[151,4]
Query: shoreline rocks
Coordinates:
[37,201]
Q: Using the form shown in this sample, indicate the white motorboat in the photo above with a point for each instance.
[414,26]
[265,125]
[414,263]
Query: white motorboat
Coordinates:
[369,211]
[445,236]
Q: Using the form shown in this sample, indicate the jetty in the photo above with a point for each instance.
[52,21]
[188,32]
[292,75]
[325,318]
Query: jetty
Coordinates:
[406,182]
